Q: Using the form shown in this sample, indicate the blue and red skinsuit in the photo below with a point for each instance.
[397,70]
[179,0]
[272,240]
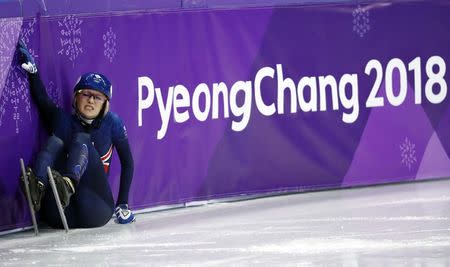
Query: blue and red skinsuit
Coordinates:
[82,152]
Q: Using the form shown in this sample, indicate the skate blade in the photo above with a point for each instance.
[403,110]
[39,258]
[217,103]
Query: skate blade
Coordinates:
[58,202]
[28,196]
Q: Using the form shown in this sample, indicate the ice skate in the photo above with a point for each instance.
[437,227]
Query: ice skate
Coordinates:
[36,187]
[65,187]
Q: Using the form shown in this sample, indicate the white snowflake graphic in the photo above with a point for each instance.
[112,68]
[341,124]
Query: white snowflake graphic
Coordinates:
[408,153]
[70,38]
[27,33]
[14,95]
[194,3]
[361,21]
[9,31]
[109,39]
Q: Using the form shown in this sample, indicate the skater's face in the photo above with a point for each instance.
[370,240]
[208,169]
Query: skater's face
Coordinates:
[89,103]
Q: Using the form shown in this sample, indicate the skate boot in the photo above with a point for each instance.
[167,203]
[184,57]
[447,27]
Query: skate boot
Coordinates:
[65,187]
[37,188]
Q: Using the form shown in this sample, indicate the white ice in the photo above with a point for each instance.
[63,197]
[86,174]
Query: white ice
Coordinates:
[391,225]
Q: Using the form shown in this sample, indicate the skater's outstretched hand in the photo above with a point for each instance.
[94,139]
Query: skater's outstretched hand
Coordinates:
[124,214]
[26,59]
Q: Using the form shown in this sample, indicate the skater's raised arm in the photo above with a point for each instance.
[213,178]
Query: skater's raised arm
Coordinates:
[46,106]
[39,94]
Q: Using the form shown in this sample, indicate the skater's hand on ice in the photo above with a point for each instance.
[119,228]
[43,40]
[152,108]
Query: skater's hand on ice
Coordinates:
[124,214]
[26,59]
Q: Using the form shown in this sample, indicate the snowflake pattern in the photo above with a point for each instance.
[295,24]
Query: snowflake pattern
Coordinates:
[408,153]
[194,3]
[27,32]
[109,39]
[14,97]
[70,38]
[361,21]
[8,32]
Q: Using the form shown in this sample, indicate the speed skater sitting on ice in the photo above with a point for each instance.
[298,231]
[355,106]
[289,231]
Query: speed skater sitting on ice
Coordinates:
[79,152]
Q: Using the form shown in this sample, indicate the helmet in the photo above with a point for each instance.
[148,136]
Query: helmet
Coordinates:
[94,81]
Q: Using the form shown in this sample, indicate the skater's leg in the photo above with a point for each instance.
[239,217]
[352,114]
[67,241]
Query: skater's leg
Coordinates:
[47,157]
[76,163]
[37,177]
[78,156]
[75,166]
[92,210]
[94,203]
[51,214]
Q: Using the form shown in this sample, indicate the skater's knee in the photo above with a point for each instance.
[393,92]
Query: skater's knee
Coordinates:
[43,160]
[54,145]
[56,140]
[82,138]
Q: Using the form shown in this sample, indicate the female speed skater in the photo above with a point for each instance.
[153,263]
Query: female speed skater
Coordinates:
[79,152]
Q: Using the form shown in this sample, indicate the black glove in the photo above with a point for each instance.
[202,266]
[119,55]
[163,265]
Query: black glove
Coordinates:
[26,59]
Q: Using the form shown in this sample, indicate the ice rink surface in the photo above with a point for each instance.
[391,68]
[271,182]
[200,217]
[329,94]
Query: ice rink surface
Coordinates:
[391,225]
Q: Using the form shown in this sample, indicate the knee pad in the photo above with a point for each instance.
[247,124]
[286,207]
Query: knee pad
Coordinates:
[54,145]
[82,138]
